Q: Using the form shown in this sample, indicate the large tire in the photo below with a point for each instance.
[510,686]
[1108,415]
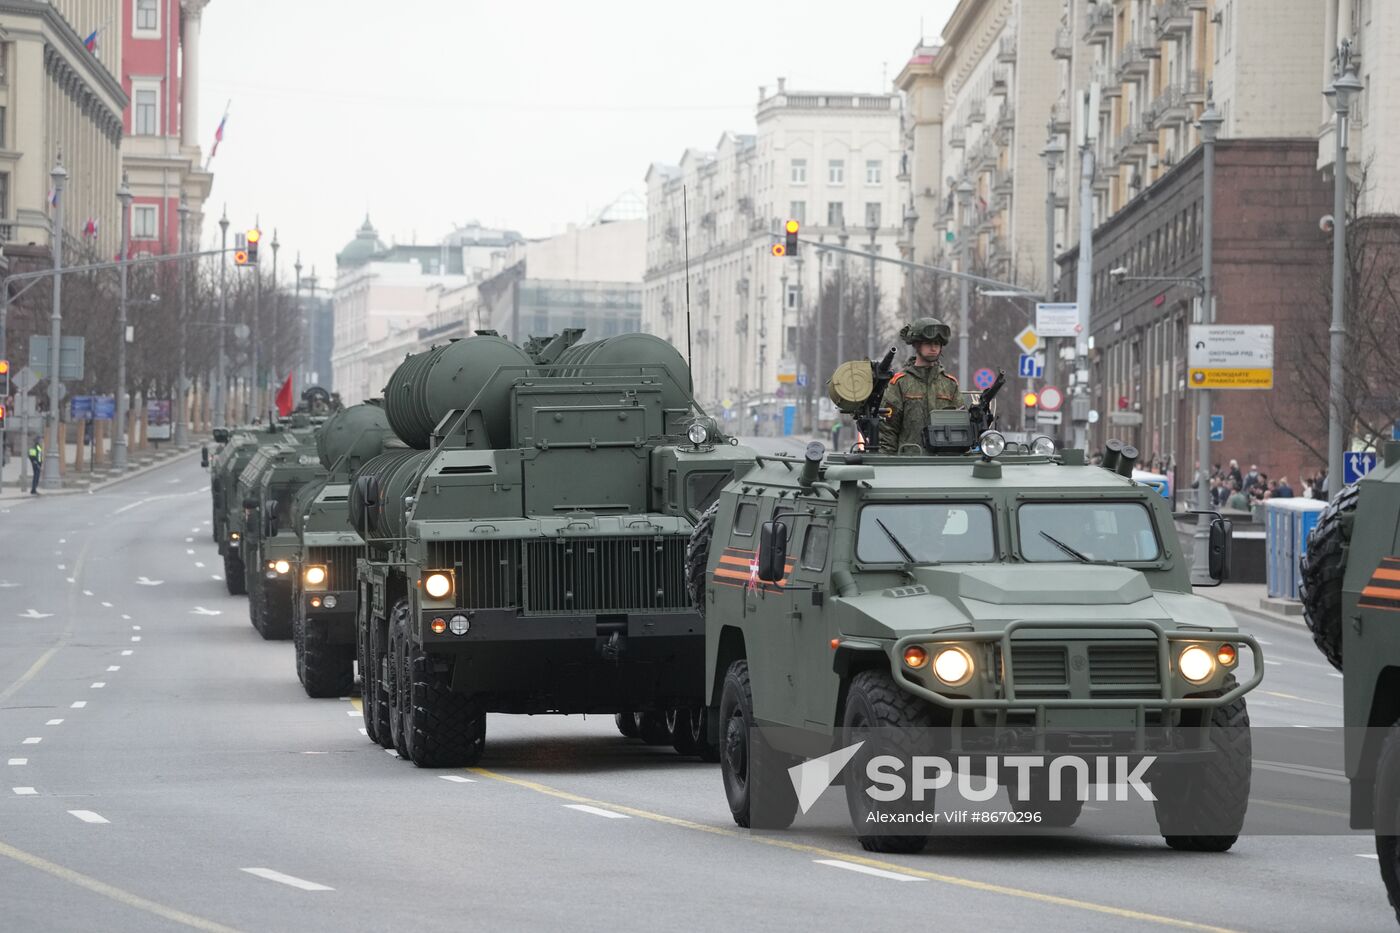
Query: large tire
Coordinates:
[1321,570]
[233,573]
[327,671]
[1201,806]
[697,557]
[889,721]
[374,697]
[689,730]
[652,728]
[397,665]
[1387,816]
[759,792]
[273,620]
[433,726]
[626,724]
[299,638]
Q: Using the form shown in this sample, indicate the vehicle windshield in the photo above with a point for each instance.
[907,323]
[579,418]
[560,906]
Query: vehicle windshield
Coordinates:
[1112,531]
[931,532]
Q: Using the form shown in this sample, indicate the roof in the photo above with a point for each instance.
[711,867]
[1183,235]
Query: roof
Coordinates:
[361,249]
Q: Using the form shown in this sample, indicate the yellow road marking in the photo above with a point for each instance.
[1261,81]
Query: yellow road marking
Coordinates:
[117,894]
[793,846]
[357,703]
[34,668]
[1298,807]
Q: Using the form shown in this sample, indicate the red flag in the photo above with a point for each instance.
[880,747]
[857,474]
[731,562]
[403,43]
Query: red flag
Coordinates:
[284,397]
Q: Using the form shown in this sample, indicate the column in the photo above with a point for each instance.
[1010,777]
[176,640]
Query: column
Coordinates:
[192,11]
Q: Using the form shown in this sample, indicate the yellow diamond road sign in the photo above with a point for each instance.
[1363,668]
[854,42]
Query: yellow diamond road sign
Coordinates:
[1027,340]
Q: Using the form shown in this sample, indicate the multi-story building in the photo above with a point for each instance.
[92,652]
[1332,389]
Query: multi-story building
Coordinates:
[1372,27]
[161,150]
[830,160]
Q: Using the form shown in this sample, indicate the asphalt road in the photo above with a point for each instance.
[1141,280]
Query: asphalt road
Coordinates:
[164,770]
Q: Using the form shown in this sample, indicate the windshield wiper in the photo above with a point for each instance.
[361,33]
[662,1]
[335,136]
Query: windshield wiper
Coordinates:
[909,558]
[1082,558]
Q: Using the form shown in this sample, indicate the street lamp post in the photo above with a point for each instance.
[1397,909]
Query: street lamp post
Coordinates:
[119,443]
[50,477]
[1052,154]
[182,439]
[843,238]
[1345,86]
[275,365]
[301,379]
[870,335]
[964,191]
[911,223]
[221,390]
[311,281]
[1210,123]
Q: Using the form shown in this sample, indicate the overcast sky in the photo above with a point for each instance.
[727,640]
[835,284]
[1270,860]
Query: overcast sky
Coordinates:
[530,114]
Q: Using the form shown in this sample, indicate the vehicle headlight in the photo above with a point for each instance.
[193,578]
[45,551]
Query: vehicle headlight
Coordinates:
[1196,664]
[459,624]
[992,443]
[315,575]
[953,666]
[1042,446]
[329,602]
[233,536]
[281,566]
[438,585]
[697,434]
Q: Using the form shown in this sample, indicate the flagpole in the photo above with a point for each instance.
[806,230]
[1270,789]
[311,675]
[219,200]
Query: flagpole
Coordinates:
[218,134]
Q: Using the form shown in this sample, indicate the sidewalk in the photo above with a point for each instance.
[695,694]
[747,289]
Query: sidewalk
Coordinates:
[1254,599]
[15,487]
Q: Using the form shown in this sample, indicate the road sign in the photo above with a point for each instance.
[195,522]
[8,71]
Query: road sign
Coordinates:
[158,419]
[1027,340]
[1048,417]
[1230,356]
[1395,431]
[1356,465]
[984,378]
[1056,319]
[1051,399]
[801,379]
[1030,366]
[1217,428]
[80,407]
[1093,416]
[70,357]
[1125,418]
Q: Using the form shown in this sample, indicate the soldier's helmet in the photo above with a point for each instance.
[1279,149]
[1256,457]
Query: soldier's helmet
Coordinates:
[924,329]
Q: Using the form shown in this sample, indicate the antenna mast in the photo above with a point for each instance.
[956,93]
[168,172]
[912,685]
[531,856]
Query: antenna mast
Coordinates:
[685,237]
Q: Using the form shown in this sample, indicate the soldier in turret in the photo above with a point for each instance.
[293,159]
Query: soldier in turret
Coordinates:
[921,387]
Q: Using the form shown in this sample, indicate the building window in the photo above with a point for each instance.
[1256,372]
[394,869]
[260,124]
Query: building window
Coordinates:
[147,19]
[799,171]
[4,196]
[145,112]
[797,210]
[4,136]
[872,171]
[872,213]
[836,172]
[143,222]
[791,297]
[835,215]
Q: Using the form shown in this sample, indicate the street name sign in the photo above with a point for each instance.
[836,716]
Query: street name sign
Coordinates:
[1057,319]
[1230,356]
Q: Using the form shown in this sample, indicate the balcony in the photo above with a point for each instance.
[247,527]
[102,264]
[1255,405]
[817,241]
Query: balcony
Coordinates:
[1006,48]
[1195,87]
[1000,77]
[1174,19]
[1147,42]
[1131,62]
[1064,43]
[975,113]
[1131,142]
[1104,176]
[1100,24]
[1059,118]
[1006,116]
[1109,85]
[1004,182]
[1170,106]
[957,137]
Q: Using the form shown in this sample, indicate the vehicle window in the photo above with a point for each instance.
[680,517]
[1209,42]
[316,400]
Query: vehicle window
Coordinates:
[744,518]
[703,488]
[932,532]
[1119,531]
[814,547]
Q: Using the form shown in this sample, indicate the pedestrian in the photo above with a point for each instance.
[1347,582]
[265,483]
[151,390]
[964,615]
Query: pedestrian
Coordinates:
[1323,492]
[836,435]
[1238,500]
[1251,479]
[36,464]
[1236,478]
[1283,490]
[919,388]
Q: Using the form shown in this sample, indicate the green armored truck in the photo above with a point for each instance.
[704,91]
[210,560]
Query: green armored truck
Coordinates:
[527,555]
[1350,575]
[984,596]
[226,467]
[323,572]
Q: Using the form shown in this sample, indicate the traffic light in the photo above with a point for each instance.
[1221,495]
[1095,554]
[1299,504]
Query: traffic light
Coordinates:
[1030,399]
[253,236]
[2,416]
[240,250]
[791,227]
[4,379]
[779,250]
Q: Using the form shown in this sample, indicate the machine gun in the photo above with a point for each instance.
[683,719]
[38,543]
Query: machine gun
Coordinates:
[981,413]
[871,412]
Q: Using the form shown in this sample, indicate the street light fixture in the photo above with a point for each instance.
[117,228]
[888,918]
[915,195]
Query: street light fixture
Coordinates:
[964,192]
[50,476]
[1340,94]
[119,443]
[182,400]
[1053,152]
[221,393]
[1209,124]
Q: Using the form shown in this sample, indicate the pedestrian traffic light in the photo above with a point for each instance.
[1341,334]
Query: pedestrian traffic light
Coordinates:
[791,227]
[253,236]
[779,250]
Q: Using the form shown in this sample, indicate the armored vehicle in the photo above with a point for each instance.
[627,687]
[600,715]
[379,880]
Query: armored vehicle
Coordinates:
[1350,590]
[323,572]
[1000,599]
[527,554]
[227,465]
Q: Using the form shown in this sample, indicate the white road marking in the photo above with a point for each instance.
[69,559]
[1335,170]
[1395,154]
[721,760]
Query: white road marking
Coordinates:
[391,751]
[352,712]
[127,508]
[70,579]
[215,576]
[189,550]
[196,529]
[126,653]
[98,684]
[24,791]
[280,878]
[189,540]
[596,811]
[199,563]
[135,637]
[62,540]
[87,816]
[87,592]
[125,616]
[201,611]
[6,584]
[458,779]
[54,722]
[62,566]
[34,614]
[364,732]
[107,605]
[18,761]
[78,704]
[113,667]
[866,870]
[33,740]
[147,581]
[136,628]
[1368,855]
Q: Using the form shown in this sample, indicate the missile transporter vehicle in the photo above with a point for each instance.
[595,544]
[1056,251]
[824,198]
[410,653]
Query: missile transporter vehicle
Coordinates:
[324,589]
[1350,576]
[527,554]
[969,602]
[226,467]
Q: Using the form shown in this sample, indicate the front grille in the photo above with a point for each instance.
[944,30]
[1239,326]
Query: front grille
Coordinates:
[1124,664]
[488,572]
[1038,664]
[340,565]
[600,575]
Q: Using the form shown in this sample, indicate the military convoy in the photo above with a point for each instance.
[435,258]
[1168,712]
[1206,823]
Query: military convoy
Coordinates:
[1350,575]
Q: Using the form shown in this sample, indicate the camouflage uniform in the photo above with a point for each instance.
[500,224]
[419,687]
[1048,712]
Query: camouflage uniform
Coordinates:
[911,395]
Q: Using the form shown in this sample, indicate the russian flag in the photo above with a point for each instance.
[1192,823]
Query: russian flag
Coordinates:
[218,135]
[53,197]
[90,229]
[90,43]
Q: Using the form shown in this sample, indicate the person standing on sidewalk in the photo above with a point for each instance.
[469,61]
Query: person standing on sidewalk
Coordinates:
[36,464]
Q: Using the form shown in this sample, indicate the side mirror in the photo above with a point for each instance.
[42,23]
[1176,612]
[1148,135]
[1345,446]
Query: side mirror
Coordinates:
[270,525]
[221,435]
[1221,536]
[204,457]
[772,552]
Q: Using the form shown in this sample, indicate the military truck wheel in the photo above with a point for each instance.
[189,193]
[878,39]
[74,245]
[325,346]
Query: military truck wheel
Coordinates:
[697,557]
[398,680]
[273,621]
[889,721]
[374,699]
[755,774]
[1321,571]
[1387,816]
[1200,807]
[233,574]
[299,640]
[442,728]
[690,733]
[652,728]
[327,670]
[627,724]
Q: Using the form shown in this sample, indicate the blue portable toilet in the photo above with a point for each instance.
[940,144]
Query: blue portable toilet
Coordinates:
[1287,523]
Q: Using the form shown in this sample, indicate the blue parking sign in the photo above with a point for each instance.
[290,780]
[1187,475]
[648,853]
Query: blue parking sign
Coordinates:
[984,378]
[1356,465]
[1217,428]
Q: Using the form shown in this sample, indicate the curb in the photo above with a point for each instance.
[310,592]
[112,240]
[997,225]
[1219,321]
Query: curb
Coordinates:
[1261,613]
[130,474]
